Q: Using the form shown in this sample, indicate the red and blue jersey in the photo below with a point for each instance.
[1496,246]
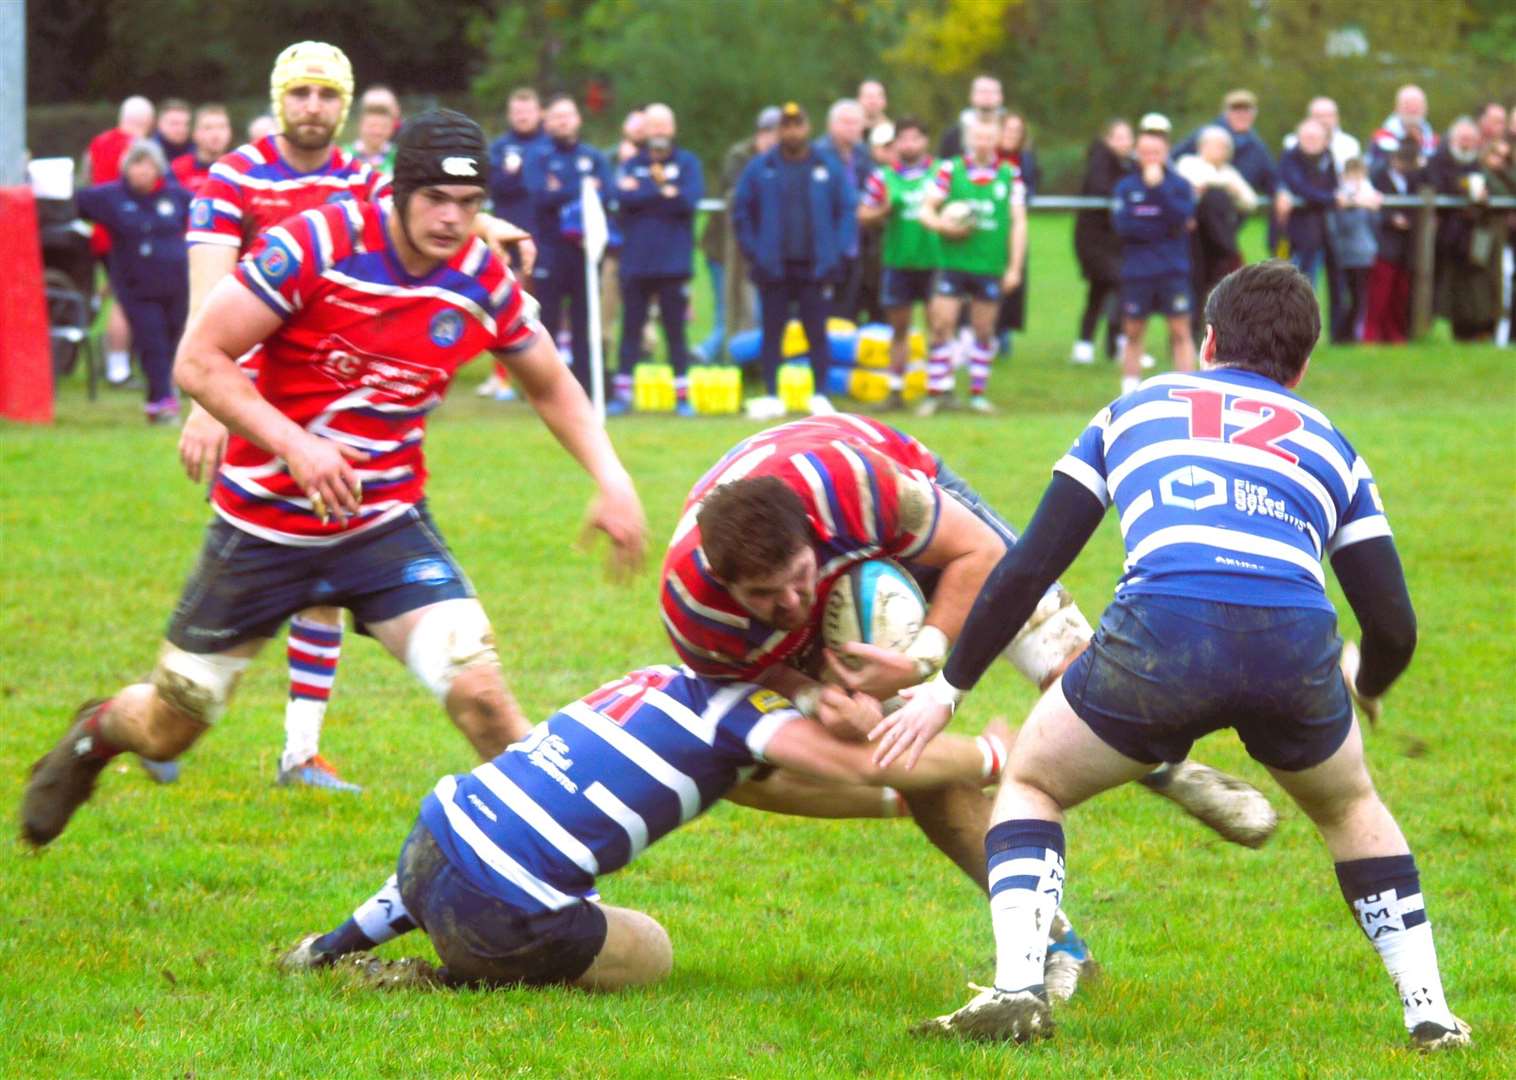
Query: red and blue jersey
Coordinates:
[1228,487]
[253,187]
[600,780]
[365,353]
[868,492]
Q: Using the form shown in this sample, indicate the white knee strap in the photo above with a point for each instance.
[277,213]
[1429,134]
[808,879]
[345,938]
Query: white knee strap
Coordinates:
[197,684]
[1054,635]
[450,636]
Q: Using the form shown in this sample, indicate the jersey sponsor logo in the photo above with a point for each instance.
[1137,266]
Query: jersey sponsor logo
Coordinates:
[459,166]
[165,207]
[549,753]
[766,701]
[512,161]
[275,263]
[446,328]
[396,380]
[200,213]
[361,309]
[1253,499]
[427,572]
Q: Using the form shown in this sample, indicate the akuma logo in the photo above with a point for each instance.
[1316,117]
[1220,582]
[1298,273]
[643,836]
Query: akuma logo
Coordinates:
[459,166]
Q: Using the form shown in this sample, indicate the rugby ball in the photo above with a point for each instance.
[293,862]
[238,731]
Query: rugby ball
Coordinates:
[875,602]
[958,214]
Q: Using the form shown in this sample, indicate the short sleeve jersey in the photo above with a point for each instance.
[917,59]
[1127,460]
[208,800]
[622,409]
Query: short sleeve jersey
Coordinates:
[1228,487]
[868,492]
[907,243]
[991,190]
[365,352]
[598,781]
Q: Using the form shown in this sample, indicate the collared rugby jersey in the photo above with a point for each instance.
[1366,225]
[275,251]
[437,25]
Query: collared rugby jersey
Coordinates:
[599,781]
[1229,488]
[868,493]
[365,352]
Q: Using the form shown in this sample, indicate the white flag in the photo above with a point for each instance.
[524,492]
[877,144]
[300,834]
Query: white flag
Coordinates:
[596,230]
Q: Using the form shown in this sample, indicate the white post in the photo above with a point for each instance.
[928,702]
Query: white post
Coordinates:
[595,237]
[12,93]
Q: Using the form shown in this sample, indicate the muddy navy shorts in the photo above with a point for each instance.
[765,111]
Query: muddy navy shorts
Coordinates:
[482,939]
[1163,671]
[244,588]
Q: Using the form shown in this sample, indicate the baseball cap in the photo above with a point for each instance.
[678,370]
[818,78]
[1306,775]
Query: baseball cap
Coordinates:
[768,118]
[1155,122]
[882,134]
[1240,99]
[791,112]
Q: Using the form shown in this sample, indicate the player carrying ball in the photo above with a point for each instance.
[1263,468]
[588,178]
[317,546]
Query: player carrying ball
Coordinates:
[364,311]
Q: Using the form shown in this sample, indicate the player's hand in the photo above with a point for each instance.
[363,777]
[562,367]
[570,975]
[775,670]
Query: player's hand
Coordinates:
[617,512]
[908,731]
[954,232]
[1011,281]
[324,471]
[849,716]
[202,442]
[1371,708]
[627,183]
[502,237]
[1283,204]
[880,673]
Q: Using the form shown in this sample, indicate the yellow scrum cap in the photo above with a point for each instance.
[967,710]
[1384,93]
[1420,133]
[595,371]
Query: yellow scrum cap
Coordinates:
[311,62]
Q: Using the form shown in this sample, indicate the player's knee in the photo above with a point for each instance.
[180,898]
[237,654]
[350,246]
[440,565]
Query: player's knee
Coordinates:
[453,640]
[194,689]
[1055,634]
[655,952]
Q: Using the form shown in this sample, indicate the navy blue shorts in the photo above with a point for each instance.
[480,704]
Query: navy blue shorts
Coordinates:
[484,940]
[963,283]
[244,588]
[1166,294]
[1165,670]
[902,288]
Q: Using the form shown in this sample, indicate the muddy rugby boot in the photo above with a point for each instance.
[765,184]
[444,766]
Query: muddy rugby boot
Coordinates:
[1235,809]
[62,780]
[994,1015]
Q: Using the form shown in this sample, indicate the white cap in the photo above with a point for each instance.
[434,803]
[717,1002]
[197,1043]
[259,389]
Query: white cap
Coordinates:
[1155,121]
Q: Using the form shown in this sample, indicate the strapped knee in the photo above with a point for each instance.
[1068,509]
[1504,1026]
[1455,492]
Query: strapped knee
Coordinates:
[450,638]
[1055,634]
[197,684]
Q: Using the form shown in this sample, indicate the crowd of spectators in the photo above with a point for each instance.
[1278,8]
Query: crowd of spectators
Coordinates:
[796,236]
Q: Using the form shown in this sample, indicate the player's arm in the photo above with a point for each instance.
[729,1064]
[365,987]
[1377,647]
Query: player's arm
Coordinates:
[1064,522]
[784,791]
[1373,581]
[561,403]
[1016,250]
[848,714]
[808,748]
[202,440]
[231,321]
[875,206]
[932,198]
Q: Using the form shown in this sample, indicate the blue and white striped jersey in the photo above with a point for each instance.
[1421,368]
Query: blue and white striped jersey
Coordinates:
[600,780]
[1229,488]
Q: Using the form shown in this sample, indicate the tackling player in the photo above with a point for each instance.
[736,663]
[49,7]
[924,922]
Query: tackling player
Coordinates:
[1230,490]
[893,195]
[254,187]
[364,312]
[501,868]
[982,258]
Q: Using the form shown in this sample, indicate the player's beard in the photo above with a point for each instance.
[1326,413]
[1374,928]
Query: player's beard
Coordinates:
[309,136]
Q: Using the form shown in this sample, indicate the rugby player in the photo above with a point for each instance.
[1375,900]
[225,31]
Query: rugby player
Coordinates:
[1230,489]
[982,258]
[911,252]
[500,869]
[364,311]
[249,190]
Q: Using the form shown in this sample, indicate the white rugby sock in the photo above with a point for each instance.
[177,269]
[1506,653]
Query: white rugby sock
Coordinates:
[383,917]
[1026,888]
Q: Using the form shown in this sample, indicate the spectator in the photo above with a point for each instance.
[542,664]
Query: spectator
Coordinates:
[910,252]
[873,100]
[134,121]
[554,178]
[1500,181]
[1250,157]
[261,127]
[212,137]
[173,134]
[1492,123]
[1463,256]
[1409,120]
[723,256]
[870,306]
[978,206]
[377,124]
[1387,314]
[1308,180]
[657,191]
[1343,148]
[1015,149]
[1350,225]
[844,140]
[509,198]
[986,102]
[1222,197]
[1155,207]
[794,217]
[382,98]
[633,136]
[146,214]
[1096,244]
[633,139]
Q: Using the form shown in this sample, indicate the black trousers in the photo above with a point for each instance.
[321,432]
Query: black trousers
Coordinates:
[673,310]
[812,299]
[558,279]
[156,322]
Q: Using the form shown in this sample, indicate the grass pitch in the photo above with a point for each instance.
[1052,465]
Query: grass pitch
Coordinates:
[141,942]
